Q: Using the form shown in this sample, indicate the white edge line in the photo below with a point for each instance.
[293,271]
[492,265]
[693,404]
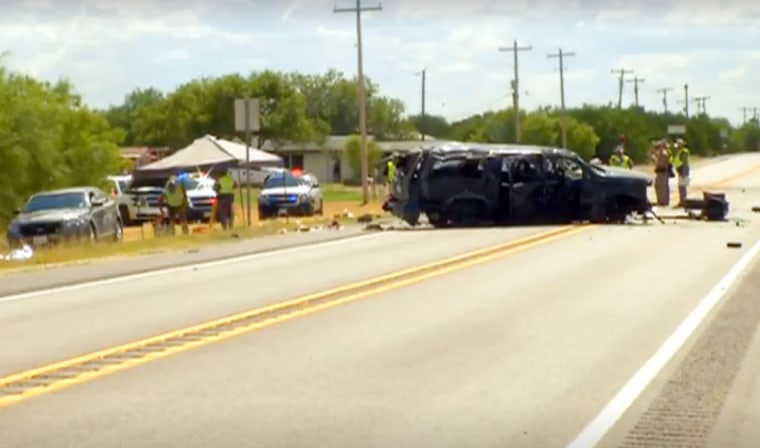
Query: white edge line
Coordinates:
[614,410]
[188,267]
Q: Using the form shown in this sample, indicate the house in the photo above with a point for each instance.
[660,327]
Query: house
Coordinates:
[326,160]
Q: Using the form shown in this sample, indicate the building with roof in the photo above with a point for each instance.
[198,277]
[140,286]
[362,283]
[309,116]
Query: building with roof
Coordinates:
[327,162]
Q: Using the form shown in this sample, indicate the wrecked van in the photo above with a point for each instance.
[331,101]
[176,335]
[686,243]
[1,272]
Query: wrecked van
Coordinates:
[471,184]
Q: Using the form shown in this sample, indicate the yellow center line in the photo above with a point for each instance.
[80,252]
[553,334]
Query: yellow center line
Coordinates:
[34,382]
[110,368]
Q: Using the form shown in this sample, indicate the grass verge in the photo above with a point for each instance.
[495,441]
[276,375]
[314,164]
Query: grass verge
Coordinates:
[141,241]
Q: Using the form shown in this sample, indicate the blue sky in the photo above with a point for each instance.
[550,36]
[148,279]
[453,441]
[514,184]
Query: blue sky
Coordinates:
[107,48]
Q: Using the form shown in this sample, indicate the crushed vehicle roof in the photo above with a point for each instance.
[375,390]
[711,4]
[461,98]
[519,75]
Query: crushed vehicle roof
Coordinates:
[490,148]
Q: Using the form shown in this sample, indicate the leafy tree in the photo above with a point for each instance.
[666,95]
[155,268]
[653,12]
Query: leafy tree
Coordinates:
[352,152]
[49,139]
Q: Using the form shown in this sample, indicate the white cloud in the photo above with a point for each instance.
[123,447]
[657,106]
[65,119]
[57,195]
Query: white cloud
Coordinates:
[109,48]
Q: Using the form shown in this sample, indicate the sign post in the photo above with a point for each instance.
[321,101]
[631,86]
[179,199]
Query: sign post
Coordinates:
[247,119]
[676,129]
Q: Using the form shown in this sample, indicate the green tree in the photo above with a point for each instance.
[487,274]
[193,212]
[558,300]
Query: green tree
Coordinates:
[433,125]
[49,139]
[352,152]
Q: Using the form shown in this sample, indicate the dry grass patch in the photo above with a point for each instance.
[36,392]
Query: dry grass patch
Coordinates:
[139,241]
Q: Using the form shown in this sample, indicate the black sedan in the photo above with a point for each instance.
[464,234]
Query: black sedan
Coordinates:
[83,213]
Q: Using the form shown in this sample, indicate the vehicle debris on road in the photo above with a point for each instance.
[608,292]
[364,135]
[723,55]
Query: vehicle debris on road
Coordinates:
[460,184]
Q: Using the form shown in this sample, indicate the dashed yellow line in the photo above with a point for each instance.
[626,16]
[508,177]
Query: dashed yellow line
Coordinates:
[31,383]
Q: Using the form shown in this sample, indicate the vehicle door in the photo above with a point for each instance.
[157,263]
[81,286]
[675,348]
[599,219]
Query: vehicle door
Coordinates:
[315,192]
[528,200]
[100,207]
[579,188]
[405,191]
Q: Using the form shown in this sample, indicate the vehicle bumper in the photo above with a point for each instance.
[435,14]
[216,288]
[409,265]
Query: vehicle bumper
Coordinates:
[16,239]
[199,214]
[294,208]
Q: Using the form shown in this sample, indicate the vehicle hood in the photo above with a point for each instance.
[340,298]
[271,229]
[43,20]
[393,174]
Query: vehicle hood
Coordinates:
[63,214]
[201,193]
[301,189]
[615,174]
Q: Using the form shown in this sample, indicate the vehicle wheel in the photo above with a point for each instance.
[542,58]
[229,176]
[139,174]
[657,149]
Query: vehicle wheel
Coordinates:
[263,216]
[309,210]
[124,213]
[465,213]
[118,232]
[437,220]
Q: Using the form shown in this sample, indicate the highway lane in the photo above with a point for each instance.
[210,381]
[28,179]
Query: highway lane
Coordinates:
[58,325]
[400,331]
[521,351]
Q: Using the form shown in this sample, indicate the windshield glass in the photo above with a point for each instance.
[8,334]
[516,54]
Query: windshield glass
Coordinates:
[278,181]
[55,201]
[123,185]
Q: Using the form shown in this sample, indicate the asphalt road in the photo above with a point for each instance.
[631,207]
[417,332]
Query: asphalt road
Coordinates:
[523,350]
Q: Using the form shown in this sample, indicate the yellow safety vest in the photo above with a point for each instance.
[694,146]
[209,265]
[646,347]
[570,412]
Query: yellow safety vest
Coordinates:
[677,159]
[391,171]
[624,162]
[226,184]
[174,198]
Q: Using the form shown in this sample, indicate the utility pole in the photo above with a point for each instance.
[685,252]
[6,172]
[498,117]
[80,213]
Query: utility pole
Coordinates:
[744,110]
[621,72]
[358,9]
[701,104]
[686,100]
[664,92]
[516,85]
[636,81]
[561,55]
[423,74]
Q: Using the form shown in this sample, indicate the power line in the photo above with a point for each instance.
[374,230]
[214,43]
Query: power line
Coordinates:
[621,72]
[422,73]
[636,81]
[664,92]
[516,85]
[358,10]
[561,55]
[701,104]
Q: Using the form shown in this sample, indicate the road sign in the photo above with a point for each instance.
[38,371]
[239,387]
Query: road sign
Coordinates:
[676,129]
[247,115]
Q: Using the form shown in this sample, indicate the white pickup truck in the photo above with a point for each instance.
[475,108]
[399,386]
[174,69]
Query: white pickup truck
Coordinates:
[143,203]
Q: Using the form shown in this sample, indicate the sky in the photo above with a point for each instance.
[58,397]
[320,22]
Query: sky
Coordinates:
[107,48]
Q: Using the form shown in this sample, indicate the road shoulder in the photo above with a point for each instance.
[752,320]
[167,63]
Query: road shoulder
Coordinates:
[98,269]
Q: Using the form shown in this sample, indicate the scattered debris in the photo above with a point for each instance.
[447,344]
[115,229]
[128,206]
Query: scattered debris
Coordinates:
[335,225]
[756,208]
[734,245]
[712,206]
[365,218]
[22,254]
[282,231]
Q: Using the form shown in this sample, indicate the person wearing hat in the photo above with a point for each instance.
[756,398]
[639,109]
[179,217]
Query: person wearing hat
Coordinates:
[225,196]
[620,159]
[661,160]
[176,203]
[681,165]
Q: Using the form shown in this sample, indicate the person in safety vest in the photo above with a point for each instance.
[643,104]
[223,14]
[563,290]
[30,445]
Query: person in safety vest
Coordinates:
[176,203]
[390,171]
[620,159]
[681,165]
[661,160]
[225,196]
